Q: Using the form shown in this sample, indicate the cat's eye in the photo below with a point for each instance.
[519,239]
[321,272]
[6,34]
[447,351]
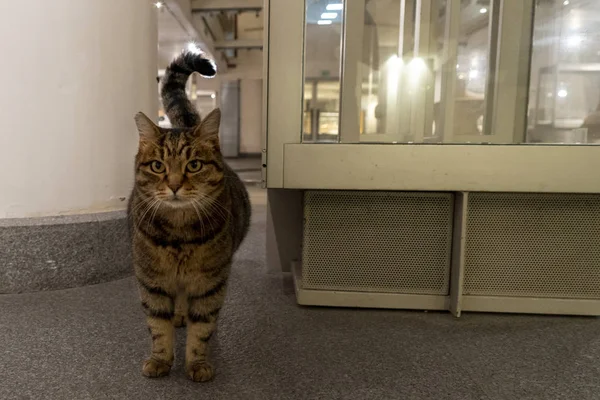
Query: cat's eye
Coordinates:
[157,167]
[194,166]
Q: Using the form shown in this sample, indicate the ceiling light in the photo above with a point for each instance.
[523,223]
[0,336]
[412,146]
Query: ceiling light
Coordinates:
[328,15]
[212,96]
[566,3]
[334,7]
[473,74]
[483,10]
[562,93]
[158,4]
[324,22]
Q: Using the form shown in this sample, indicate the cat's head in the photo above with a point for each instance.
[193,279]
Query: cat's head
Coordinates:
[180,167]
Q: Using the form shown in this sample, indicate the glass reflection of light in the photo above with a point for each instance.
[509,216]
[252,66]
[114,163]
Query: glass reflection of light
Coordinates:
[394,64]
[574,40]
[329,15]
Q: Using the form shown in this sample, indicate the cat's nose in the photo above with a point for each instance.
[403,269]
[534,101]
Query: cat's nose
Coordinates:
[174,186]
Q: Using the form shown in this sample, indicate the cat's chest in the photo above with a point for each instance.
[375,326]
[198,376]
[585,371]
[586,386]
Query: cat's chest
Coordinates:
[189,260]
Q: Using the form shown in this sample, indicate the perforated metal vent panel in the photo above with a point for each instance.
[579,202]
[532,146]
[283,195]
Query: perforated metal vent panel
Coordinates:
[533,245]
[377,241]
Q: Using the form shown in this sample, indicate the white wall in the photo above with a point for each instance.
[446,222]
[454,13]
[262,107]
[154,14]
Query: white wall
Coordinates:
[74,75]
[250,115]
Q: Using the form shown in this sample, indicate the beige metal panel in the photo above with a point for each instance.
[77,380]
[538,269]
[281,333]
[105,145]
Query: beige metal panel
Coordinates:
[354,21]
[539,245]
[490,84]
[451,36]
[492,168]
[284,228]
[458,252]
[422,107]
[265,91]
[284,120]
[377,241]
[364,299]
[511,79]
[531,305]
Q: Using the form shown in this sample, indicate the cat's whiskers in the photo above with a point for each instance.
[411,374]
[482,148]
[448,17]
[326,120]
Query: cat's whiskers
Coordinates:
[199,217]
[214,205]
[146,212]
[142,202]
[205,215]
[158,204]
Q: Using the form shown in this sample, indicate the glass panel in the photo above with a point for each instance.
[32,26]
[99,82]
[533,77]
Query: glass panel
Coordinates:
[401,70]
[471,76]
[438,71]
[564,91]
[323,37]
[307,112]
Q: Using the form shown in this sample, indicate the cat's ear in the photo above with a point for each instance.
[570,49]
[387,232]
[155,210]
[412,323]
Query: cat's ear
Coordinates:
[208,130]
[146,128]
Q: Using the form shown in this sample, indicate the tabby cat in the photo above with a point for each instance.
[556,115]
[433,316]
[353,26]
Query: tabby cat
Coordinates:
[189,213]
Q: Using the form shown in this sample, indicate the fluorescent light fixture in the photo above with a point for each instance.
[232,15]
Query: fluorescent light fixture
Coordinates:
[158,4]
[327,15]
[566,3]
[334,7]
[482,10]
[562,93]
[212,96]
[324,22]
[394,60]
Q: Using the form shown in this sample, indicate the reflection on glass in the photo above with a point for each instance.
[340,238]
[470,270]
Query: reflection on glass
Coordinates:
[321,105]
[564,91]
[449,71]
[470,79]
[402,85]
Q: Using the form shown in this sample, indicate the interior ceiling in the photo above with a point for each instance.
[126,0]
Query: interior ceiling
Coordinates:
[214,26]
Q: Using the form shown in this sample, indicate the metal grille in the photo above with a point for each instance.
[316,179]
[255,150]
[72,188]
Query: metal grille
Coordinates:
[533,245]
[377,241]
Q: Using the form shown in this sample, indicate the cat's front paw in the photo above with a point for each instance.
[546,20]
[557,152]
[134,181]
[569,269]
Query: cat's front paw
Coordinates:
[200,371]
[155,369]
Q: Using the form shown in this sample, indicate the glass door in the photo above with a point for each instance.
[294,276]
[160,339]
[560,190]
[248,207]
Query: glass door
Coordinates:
[481,84]
[321,111]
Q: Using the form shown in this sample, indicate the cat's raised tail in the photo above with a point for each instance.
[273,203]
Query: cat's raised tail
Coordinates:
[180,110]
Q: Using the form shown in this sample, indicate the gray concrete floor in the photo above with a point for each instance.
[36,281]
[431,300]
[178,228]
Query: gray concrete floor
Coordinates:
[89,342]
[248,169]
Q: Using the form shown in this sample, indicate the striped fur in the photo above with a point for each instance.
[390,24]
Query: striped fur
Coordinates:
[178,107]
[183,246]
